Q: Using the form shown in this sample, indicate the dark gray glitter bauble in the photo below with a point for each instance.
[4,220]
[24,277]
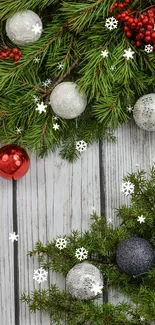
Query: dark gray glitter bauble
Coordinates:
[135,256]
[81,278]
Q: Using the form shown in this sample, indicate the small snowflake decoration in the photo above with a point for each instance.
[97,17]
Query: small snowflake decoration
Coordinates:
[142,319]
[19,130]
[13,237]
[81,146]
[96,288]
[55,118]
[56,126]
[148,48]
[46,83]
[81,253]
[112,68]
[127,188]
[60,66]
[36,59]
[104,53]
[40,275]
[111,23]
[61,243]
[129,109]
[141,219]
[37,29]
[128,54]
[41,107]
[35,98]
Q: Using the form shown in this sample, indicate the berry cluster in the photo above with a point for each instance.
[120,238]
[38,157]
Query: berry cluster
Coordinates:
[14,53]
[138,26]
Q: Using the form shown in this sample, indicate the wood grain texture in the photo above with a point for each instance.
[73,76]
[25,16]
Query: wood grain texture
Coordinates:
[7,309]
[134,149]
[54,198]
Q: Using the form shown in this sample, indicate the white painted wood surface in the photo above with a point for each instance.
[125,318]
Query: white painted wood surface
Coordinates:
[56,197]
[6,255]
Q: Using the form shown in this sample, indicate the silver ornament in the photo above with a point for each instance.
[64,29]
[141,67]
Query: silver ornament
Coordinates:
[135,256]
[66,101]
[144,112]
[24,27]
[82,279]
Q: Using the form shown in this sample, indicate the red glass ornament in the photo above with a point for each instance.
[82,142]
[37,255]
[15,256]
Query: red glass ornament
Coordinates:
[14,162]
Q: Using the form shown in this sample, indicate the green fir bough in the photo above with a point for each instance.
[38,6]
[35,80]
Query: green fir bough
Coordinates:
[101,242]
[74,34]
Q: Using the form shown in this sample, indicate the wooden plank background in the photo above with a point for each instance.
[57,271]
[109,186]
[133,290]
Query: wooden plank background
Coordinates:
[56,197]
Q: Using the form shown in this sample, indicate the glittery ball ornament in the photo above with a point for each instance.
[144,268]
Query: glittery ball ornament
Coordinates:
[135,256]
[14,162]
[66,100]
[24,27]
[144,112]
[81,280]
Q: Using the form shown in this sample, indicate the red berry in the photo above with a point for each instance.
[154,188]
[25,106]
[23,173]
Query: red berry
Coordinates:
[4,54]
[140,24]
[6,48]
[138,43]
[126,1]
[20,53]
[17,57]
[139,36]
[11,55]
[128,34]
[149,27]
[147,33]
[15,50]
[147,39]
[126,28]
[153,35]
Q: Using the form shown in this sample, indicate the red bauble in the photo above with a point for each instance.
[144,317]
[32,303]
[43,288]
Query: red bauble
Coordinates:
[14,162]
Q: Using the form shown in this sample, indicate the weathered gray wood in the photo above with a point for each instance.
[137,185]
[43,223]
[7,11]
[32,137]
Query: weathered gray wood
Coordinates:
[6,255]
[54,198]
[134,149]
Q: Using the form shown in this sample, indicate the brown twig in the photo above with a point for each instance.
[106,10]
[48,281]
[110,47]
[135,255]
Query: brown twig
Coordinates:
[41,90]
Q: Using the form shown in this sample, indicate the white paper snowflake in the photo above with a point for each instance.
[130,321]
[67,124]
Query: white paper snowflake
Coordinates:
[129,109]
[46,83]
[141,219]
[13,237]
[36,59]
[35,98]
[148,48]
[60,66]
[128,54]
[96,288]
[112,68]
[61,243]
[127,188]
[111,23]
[142,319]
[81,145]
[41,107]
[56,126]
[19,130]
[104,53]
[37,29]
[81,253]
[40,275]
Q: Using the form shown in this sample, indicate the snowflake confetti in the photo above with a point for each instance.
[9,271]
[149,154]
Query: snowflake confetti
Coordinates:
[104,53]
[56,126]
[81,146]
[55,118]
[127,188]
[13,237]
[40,275]
[61,243]
[60,66]
[148,48]
[128,54]
[96,288]
[129,109]
[142,319]
[46,83]
[41,107]
[111,23]
[35,98]
[112,68]
[141,219]
[81,253]
[36,59]
[37,29]
[19,130]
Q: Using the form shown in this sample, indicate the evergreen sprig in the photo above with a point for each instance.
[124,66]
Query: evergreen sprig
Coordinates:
[74,35]
[101,241]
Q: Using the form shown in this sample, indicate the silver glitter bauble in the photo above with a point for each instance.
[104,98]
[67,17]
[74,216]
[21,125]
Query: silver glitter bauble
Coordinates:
[24,27]
[66,101]
[81,278]
[135,256]
[144,112]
